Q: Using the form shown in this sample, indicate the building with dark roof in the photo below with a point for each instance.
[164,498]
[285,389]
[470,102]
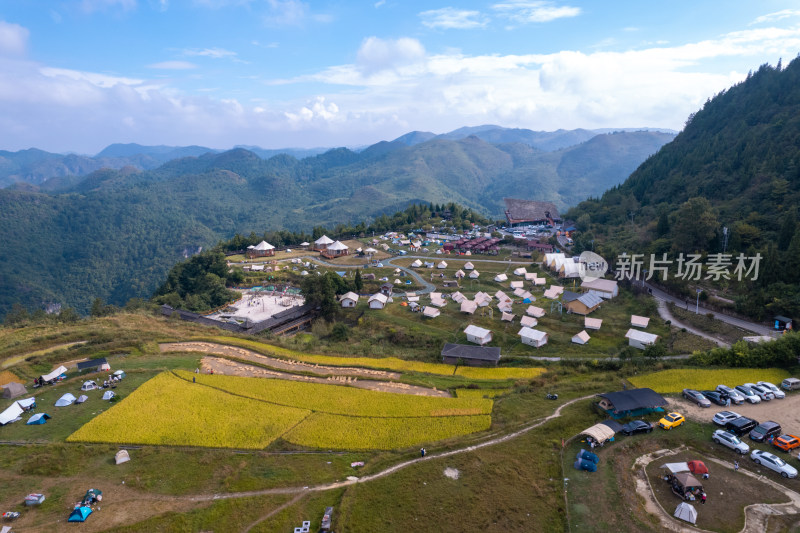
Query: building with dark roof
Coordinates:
[524,212]
[633,402]
[95,365]
[470,355]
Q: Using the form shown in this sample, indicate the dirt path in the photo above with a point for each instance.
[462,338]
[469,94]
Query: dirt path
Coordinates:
[274,362]
[233,368]
[273,512]
[664,313]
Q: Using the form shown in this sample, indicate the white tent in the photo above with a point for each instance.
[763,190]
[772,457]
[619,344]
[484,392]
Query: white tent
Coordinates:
[82,398]
[89,385]
[478,335]
[640,339]
[107,395]
[500,295]
[323,241]
[349,299]
[27,403]
[122,456]
[500,278]
[431,312]
[530,276]
[468,306]
[520,271]
[338,247]
[474,274]
[599,432]
[581,338]
[67,399]
[639,321]
[539,281]
[460,274]
[377,301]
[11,414]
[263,246]
[551,293]
[517,284]
[441,265]
[592,323]
[458,297]
[55,373]
[686,512]
[676,468]
[532,337]
[520,293]
[507,317]
[534,311]
[469,266]
[417,263]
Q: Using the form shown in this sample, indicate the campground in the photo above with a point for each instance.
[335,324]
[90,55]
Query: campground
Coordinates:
[506,476]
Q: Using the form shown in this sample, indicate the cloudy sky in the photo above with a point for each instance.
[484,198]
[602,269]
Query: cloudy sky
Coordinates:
[77,75]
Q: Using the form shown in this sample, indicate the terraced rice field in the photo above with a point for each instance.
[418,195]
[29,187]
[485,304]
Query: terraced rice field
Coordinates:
[676,380]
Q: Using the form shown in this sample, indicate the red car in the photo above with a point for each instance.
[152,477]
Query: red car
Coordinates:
[786,442]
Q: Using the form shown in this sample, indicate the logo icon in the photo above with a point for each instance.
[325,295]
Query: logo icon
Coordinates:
[592,266]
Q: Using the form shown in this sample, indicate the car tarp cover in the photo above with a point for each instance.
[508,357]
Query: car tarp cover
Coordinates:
[631,400]
[12,413]
[674,468]
[599,432]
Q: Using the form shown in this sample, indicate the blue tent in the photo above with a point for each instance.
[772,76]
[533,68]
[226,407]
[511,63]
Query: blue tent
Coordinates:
[582,464]
[38,418]
[588,456]
[526,300]
[79,514]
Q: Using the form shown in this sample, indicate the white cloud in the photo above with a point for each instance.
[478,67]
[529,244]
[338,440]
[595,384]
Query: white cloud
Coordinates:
[287,12]
[377,54]
[452,18]
[173,65]
[525,11]
[315,111]
[379,3]
[215,53]
[13,39]
[778,15]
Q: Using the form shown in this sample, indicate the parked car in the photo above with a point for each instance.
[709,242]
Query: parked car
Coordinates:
[723,417]
[773,462]
[720,436]
[734,395]
[637,426]
[790,384]
[748,394]
[672,420]
[786,442]
[762,392]
[772,388]
[696,397]
[765,430]
[741,425]
[716,397]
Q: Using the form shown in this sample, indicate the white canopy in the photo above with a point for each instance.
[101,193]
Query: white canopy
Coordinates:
[675,468]
[599,432]
[324,240]
[371,251]
[27,402]
[460,274]
[55,373]
[10,414]
[263,246]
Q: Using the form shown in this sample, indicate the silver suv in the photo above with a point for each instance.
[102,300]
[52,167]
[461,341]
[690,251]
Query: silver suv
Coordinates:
[730,440]
[734,395]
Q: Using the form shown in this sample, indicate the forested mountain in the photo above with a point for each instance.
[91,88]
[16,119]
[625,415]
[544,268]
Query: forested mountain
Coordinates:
[736,165]
[115,233]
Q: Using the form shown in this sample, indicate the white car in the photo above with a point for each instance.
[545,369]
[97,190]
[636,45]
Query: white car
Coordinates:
[723,417]
[730,440]
[748,394]
[762,392]
[772,388]
[773,462]
[734,395]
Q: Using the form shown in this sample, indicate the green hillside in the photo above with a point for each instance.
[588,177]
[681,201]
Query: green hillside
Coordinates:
[736,165]
[115,234]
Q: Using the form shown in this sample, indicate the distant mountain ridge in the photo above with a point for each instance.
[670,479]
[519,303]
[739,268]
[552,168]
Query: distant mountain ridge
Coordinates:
[114,234]
[35,167]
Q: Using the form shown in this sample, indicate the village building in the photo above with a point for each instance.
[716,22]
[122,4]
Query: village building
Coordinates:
[454,354]
[336,249]
[639,321]
[640,339]
[581,304]
[527,212]
[377,301]
[592,323]
[349,299]
[322,243]
[478,335]
[262,249]
[532,337]
[604,288]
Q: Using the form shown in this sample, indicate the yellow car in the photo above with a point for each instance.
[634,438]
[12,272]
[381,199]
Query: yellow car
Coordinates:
[672,420]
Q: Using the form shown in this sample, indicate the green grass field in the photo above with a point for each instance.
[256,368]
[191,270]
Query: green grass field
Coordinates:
[675,380]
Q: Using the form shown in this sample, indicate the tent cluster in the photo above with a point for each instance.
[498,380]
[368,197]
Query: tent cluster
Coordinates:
[14,411]
[586,460]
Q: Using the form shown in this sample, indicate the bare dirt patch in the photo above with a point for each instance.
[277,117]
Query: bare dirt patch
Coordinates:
[274,362]
[232,368]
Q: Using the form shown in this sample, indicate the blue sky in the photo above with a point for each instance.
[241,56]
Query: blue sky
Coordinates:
[77,75]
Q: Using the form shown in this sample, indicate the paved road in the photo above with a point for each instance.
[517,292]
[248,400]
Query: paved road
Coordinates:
[663,311]
[759,329]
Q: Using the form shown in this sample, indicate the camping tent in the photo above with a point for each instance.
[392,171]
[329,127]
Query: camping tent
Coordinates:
[82,398]
[67,399]
[54,374]
[89,385]
[79,514]
[122,456]
[92,496]
[38,418]
[686,512]
[599,432]
[27,403]
[583,464]
[119,374]
[11,414]
[13,390]
[107,395]
[697,467]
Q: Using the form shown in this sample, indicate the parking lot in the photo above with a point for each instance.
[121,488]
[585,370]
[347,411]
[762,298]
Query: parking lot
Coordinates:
[786,412]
